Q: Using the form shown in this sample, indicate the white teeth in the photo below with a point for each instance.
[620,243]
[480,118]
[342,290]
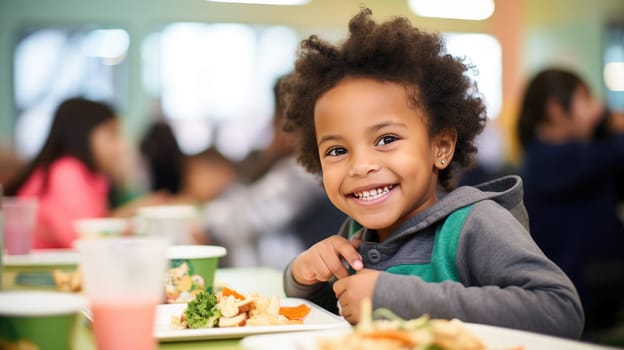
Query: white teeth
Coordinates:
[372,194]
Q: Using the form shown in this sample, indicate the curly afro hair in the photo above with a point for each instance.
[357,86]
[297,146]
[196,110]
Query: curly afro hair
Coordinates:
[395,52]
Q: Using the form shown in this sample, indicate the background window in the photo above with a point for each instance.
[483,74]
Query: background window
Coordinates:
[613,70]
[484,52]
[52,64]
[214,82]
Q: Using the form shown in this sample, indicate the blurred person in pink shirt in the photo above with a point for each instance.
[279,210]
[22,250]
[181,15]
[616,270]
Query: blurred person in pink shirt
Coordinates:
[70,175]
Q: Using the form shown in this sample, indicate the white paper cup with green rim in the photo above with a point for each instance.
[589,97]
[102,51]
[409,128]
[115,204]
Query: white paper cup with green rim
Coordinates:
[39,320]
[174,222]
[101,227]
[191,270]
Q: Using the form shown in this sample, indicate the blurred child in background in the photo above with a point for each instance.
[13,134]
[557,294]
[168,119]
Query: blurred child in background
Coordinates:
[188,178]
[70,175]
[571,187]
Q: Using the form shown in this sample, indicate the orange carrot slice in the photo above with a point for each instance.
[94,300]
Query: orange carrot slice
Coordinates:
[298,312]
[227,292]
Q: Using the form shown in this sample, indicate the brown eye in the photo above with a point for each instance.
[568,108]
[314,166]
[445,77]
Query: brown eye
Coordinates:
[336,151]
[386,139]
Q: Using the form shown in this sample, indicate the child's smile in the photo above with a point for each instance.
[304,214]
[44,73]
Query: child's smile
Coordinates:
[378,160]
[373,194]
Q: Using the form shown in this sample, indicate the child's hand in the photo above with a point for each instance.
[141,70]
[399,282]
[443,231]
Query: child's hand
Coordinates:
[323,260]
[352,290]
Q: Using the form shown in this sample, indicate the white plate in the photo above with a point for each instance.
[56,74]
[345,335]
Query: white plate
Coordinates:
[43,257]
[495,338]
[317,319]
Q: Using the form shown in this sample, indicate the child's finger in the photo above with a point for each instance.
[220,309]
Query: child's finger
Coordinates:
[344,303]
[350,255]
[357,264]
[339,287]
[309,268]
[334,265]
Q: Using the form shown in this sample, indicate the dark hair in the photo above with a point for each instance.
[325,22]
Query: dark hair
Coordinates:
[279,118]
[164,157]
[278,95]
[550,84]
[70,133]
[396,52]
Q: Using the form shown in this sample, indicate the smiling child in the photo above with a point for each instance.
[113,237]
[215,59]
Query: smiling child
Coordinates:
[386,117]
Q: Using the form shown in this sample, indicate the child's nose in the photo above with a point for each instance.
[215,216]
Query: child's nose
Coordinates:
[362,164]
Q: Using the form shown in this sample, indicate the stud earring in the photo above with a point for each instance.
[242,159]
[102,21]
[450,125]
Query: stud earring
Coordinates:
[443,162]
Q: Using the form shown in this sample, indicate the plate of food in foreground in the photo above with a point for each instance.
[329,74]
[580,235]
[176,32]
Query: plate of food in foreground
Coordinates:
[393,333]
[230,315]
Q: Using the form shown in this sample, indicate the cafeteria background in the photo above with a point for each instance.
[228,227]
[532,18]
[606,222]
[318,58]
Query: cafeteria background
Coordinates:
[207,69]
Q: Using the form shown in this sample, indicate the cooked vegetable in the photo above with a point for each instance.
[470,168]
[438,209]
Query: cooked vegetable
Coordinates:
[227,292]
[202,312]
[229,308]
[295,312]
[385,330]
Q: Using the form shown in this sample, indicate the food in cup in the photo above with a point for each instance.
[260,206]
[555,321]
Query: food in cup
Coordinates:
[229,308]
[67,281]
[191,271]
[182,286]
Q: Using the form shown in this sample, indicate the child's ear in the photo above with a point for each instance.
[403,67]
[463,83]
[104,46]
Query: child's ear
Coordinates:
[444,147]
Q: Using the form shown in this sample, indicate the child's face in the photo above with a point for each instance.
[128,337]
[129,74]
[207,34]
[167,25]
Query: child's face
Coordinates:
[107,146]
[379,163]
[585,114]
[220,173]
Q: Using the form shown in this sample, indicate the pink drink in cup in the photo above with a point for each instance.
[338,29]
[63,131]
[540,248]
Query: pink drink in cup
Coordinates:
[123,280]
[20,215]
[127,332]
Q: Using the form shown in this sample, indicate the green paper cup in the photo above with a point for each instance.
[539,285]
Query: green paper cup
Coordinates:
[191,270]
[38,320]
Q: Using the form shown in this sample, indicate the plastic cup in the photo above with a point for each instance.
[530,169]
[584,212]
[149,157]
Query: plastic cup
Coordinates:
[38,320]
[191,270]
[20,216]
[174,222]
[123,282]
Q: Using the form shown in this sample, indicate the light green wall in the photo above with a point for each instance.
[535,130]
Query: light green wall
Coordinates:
[140,17]
[569,33]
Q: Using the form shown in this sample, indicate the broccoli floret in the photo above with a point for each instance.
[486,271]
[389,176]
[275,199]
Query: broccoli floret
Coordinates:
[202,312]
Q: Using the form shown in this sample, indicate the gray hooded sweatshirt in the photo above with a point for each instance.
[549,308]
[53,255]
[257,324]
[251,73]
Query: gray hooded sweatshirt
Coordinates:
[499,276]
